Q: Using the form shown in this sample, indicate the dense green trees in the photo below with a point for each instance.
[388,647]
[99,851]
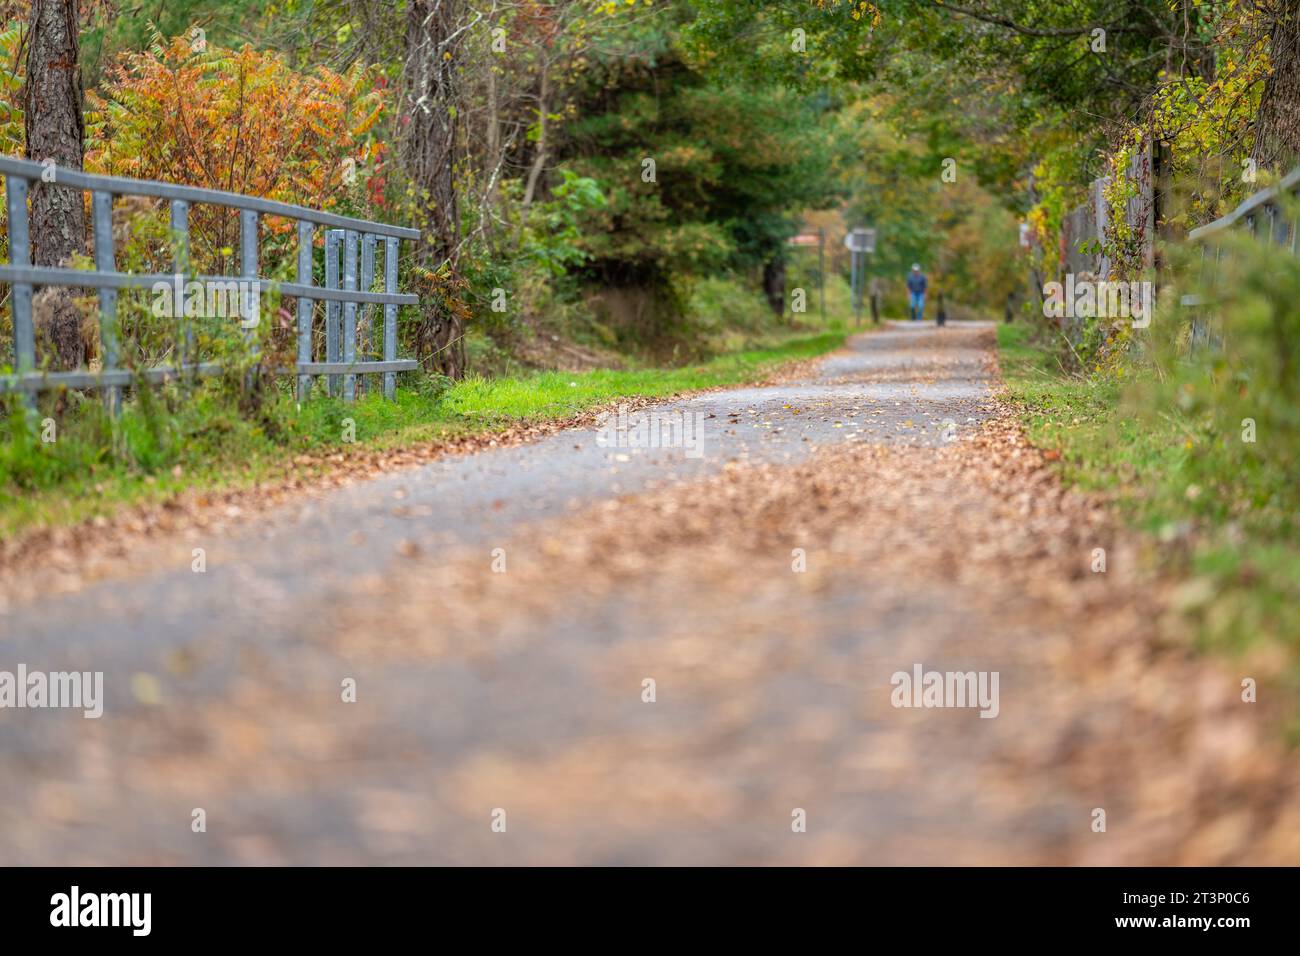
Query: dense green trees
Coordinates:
[702,173]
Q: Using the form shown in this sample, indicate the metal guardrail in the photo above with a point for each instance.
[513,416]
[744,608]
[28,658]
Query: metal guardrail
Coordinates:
[1263,202]
[346,287]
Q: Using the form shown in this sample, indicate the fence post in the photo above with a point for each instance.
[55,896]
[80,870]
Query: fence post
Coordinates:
[248,271]
[367,310]
[1203,291]
[333,239]
[390,314]
[20,254]
[180,226]
[349,313]
[101,207]
[305,305]
[1281,228]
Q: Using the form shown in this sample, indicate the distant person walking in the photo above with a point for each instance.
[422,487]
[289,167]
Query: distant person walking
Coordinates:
[916,285]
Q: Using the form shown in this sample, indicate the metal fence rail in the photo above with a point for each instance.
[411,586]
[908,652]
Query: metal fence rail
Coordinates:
[343,235]
[1261,209]
[1262,206]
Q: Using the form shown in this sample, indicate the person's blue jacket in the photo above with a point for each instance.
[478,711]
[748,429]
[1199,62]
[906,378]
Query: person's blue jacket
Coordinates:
[916,283]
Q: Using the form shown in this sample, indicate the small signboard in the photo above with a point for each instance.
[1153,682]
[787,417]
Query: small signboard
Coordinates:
[805,239]
[861,240]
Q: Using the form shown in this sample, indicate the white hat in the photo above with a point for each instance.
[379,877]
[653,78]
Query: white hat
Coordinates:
[916,267]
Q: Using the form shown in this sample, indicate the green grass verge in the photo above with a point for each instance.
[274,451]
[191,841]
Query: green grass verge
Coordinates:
[1176,476]
[1101,448]
[171,443]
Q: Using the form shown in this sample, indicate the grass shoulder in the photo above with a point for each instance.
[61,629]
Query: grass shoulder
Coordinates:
[171,443]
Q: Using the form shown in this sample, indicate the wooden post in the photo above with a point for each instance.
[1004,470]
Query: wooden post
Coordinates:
[333,241]
[350,313]
[372,342]
[180,226]
[20,254]
[305,305]
[390,314]
[102,212]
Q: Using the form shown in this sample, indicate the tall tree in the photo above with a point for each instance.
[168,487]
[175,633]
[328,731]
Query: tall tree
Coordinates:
[54,128]
[1277,138]
[435,30]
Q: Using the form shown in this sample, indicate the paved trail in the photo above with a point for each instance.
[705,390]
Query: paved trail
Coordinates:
[482,690]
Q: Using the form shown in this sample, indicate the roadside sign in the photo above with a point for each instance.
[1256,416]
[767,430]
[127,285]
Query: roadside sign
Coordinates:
[805,239]
[861,240]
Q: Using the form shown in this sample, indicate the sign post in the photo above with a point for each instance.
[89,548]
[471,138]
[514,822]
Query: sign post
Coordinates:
[860,242]
[821,270]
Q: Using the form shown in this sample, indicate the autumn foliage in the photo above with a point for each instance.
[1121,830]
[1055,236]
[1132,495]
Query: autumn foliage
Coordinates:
[245,121]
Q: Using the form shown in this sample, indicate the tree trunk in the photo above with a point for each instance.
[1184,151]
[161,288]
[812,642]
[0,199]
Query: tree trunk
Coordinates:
[55,131]
[494,122]
[1277,131]
[428,147]
[539,159]
[774,285]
